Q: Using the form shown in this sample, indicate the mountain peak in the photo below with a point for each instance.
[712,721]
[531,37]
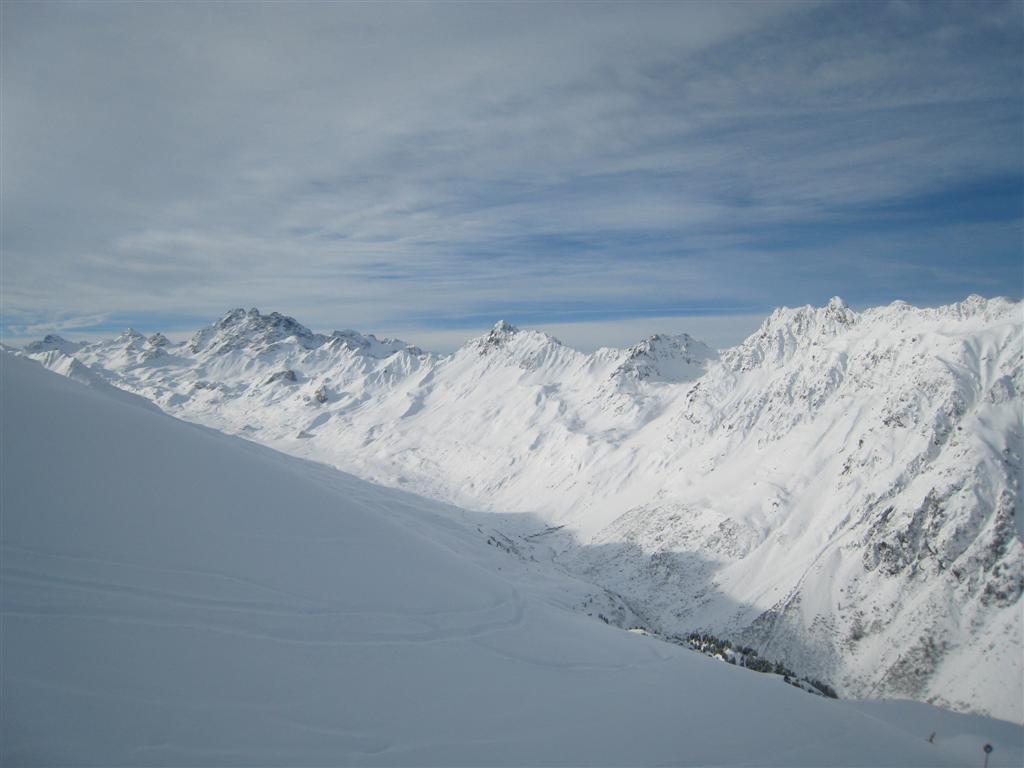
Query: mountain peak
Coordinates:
[976,305]
[231,317]
[788,329]
[52,341]
[503,326]
[368,344]
[498,336]
[666,357]
[130,336]
[527,346]
[240,328]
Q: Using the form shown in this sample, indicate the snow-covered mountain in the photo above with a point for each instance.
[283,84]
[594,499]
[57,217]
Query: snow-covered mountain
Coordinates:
[840,491]
[174,596]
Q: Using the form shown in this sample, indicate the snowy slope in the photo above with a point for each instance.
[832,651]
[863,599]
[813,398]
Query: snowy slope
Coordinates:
[840,491]
[175,596]
[856,492]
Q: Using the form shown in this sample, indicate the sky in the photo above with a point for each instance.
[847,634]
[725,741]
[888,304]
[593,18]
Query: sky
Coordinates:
[602,171]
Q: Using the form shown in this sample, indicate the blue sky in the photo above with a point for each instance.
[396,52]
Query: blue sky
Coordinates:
[602,171]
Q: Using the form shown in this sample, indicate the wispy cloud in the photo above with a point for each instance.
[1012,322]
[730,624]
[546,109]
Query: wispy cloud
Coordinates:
[421,166]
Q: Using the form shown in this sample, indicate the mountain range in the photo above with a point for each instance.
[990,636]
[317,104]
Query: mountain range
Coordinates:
[840,491]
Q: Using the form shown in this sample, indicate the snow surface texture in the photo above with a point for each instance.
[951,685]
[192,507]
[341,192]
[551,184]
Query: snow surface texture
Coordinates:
[176,596]
[840,491]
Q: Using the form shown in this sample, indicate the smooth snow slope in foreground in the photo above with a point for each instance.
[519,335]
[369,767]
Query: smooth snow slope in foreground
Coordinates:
[171,595]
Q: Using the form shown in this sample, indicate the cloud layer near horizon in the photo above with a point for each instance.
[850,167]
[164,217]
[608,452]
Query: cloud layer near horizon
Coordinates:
[436,167]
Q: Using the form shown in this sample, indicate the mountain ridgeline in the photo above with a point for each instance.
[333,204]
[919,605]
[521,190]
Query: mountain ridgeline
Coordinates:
[840,492]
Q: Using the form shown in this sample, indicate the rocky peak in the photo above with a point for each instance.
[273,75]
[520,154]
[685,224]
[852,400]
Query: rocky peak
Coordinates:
[275,323]
[503,327]
[350,337]
[130,336]
[498,336]
[528,342]
[234,316]
[241,329]
[664,357]
[978,306]
[788,330]
[369,345]
[53,342]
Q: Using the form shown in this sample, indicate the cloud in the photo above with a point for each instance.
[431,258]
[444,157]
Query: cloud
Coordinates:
[415,165]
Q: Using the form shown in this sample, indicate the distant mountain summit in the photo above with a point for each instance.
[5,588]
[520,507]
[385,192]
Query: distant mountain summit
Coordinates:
[667,358]
[53,342]
[788,331]
[239,329]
